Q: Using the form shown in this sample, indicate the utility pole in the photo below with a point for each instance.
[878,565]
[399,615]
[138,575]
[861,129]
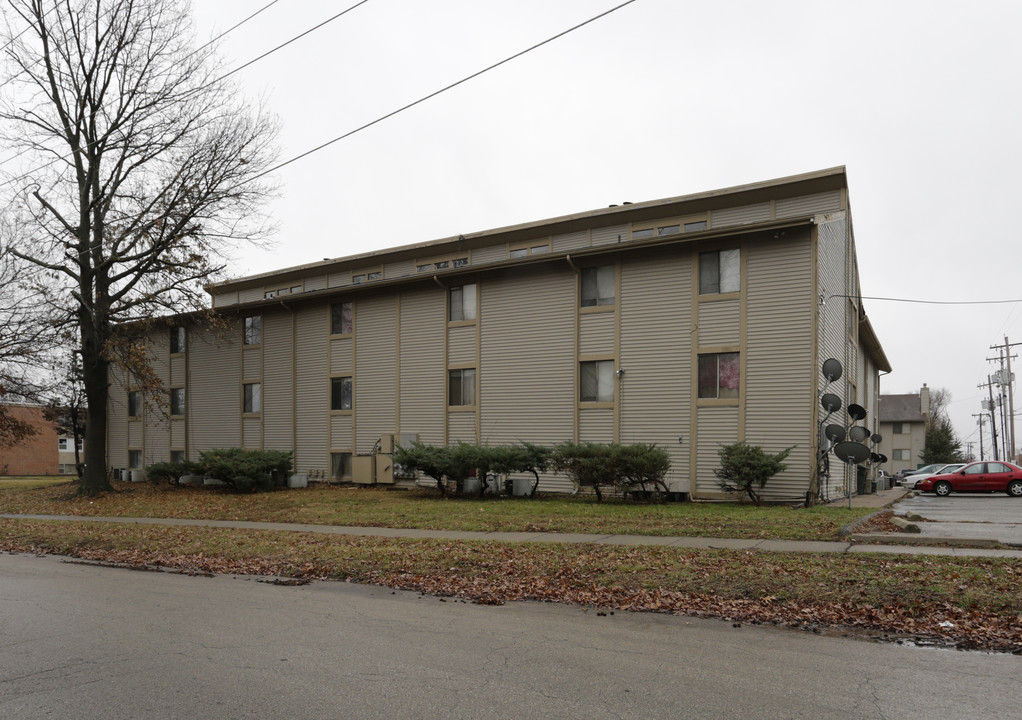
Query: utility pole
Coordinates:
[989,406]
[1010,382]
[968,449]
[979,421]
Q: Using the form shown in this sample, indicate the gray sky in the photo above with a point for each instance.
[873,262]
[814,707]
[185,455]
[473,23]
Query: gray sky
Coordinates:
[919,99]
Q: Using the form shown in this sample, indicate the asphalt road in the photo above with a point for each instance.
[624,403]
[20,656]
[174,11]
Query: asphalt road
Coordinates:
[993,516]
[80,641]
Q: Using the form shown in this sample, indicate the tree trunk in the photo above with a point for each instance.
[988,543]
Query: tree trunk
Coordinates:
[94,376]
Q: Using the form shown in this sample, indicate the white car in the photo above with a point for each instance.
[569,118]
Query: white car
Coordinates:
[910,481]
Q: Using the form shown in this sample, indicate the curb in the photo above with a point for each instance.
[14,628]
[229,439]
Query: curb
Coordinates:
[894,539]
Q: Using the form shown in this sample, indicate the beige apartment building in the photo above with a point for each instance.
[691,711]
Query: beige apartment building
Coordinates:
[689,322]
[903,421]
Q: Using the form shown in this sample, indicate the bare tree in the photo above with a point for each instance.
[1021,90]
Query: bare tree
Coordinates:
[940,398]
[144,171]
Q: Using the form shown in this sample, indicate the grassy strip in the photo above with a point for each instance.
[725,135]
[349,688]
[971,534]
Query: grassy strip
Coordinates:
[326,505]
[968,602]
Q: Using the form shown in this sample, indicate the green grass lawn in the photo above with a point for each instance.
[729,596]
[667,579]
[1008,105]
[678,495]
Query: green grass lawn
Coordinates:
[425,509]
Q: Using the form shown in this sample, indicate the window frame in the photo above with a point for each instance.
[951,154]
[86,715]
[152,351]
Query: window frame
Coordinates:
[351,319]
[338,381]
[717,398]
[466,379]
[901,451]
[703,265]
[474,306]
[132,454]
[596,303]
[178,340]
[251,398]
[599,366]
[252,327]
[178,402]
[134,398]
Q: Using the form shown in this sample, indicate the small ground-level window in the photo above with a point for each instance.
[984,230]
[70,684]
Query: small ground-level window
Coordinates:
[135,459]
[340,465]
[340,393]
[253,397]
[462,387]
[596,381]
[177,456]
[719,375]
[177,401]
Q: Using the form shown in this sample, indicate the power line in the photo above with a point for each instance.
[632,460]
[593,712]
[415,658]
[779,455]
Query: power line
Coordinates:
[443,90]
[929,302]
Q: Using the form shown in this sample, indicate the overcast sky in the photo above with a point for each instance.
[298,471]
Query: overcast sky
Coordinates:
[918,99]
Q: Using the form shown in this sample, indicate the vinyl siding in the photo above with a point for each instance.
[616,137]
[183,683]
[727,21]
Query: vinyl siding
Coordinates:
[250,295]
[596,333]
[399,269]
[779,361]
[178,435]
[491,254]
[313,389]
[719,322]
[316,282]
[251,363]
[461,346]
[278,382]
[610,235]
[214,408]
[423,366]
[570,241]
[743,215]
[596,425]
[716,426]
[461,427]
[252,433]
[375,369]
[340,279]
[808,204]
[177,370]
[117,420]
[226,298]
[656,345]
[340,433]
[341,362]
[527,369]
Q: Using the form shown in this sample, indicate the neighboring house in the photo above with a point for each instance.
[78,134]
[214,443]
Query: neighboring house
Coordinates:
[903,420]
[44,453]
[689,322]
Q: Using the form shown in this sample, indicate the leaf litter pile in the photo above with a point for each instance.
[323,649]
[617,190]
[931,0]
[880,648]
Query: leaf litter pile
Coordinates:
[968,603]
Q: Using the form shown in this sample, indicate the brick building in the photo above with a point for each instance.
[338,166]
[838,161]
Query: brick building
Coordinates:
[44,453]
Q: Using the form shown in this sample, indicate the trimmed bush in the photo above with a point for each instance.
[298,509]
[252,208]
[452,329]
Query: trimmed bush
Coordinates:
[247,470]
[626,468]
[744,468]
[169,472]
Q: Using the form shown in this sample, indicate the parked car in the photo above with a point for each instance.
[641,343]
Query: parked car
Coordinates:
[976,477]
[912,481]
[933,467]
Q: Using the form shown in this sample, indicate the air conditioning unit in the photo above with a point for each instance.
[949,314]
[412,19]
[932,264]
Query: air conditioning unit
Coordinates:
[363,470]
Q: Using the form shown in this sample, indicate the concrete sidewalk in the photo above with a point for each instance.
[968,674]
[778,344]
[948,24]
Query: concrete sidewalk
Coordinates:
[854,545]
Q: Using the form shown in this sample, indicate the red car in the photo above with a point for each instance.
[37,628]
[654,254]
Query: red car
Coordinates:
[976,477]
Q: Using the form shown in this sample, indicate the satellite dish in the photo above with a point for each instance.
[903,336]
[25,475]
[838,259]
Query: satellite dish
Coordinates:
[873,457]
[883,458]
[830,402]
[851,452]
[876,438]
[858,433]
[831,370]
[835,432]
[857,412]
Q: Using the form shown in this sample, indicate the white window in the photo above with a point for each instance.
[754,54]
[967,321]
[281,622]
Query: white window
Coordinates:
[596,381]
[720,272]
[64,444]
[902,454]
[462,303]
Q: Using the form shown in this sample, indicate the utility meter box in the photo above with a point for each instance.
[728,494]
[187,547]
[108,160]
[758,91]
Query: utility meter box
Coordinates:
[363,470]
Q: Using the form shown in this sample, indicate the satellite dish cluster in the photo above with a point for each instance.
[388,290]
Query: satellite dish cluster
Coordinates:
[848,441]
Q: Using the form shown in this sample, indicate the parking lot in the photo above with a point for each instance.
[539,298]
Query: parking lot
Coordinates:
[993,516]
